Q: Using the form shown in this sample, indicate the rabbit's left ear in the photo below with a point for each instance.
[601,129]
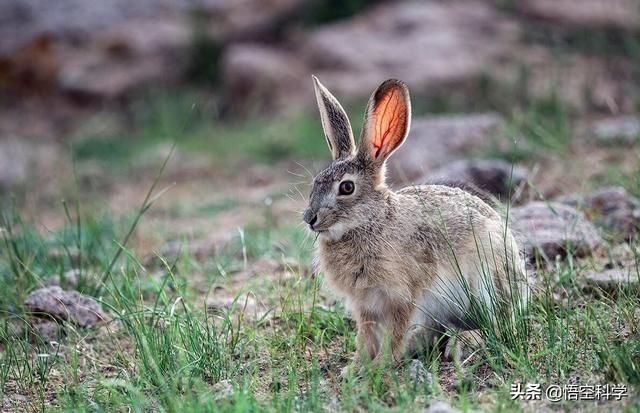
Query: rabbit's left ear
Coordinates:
[386,121]
[335,123]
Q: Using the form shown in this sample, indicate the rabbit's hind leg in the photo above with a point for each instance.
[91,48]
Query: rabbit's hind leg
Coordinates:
[462,345]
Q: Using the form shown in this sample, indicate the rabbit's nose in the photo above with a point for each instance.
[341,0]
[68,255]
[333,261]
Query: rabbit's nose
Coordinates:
[310,218]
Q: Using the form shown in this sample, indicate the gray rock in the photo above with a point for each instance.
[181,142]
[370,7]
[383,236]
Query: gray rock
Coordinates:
[493,176]
[21,20]
[112,48]
[21,160]
[612,208]
[14,162]
[436,141]
[217,303]
[592,14]
[418,374]
[444,45]
[197,248]
[259,77]
[222,390]
[70,306]
[612,280]
[441,407]
[552,229]
[69,278]
[618,130]
[46,330]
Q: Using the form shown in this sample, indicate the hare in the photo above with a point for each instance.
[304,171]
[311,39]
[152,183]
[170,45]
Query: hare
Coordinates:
[411,264]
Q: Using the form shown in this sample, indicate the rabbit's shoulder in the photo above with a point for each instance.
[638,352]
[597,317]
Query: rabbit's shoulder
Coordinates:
[445,201]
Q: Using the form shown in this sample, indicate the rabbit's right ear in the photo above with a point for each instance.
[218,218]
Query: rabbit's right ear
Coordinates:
[386,121]
[335,123]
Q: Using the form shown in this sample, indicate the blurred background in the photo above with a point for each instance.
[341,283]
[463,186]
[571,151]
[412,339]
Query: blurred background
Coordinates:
[94,93]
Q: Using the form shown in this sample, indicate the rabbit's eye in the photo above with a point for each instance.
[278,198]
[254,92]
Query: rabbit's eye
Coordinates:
[346,187]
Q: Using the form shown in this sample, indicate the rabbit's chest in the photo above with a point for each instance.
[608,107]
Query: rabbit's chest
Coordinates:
[357,272]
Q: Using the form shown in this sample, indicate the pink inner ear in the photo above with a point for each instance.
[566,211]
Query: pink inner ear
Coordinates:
[388,114]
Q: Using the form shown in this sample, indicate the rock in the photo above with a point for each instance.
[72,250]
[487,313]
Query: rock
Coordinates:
[493,176]
[123,60]
[229,20]
[612,208]
[244,302]
[14,162]
[612,280]
[45,330]
[441,407]
[618,130]
[444,45]
[436,141]
[553,229]
[70,306]
[197,248]
[69,278]
[265,266]
[114,49]
[418,373]
[22,160]
[258,77]
[222,390]
[585,14]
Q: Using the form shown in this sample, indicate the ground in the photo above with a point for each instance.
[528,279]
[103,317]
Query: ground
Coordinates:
[183,223]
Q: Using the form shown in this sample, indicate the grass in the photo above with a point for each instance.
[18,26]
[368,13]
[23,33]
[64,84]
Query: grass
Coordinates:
[164,351]
[282,342]
[191,119]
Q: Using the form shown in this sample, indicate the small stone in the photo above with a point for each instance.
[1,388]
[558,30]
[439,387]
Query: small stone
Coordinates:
[222,390]
[441,407]
[197,248]
[619,130]
[418,373]
[70,306]
[553,229]
[613,279]
[70,278]
[244,302]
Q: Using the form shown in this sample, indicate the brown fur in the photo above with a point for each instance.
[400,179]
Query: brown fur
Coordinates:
[401,258]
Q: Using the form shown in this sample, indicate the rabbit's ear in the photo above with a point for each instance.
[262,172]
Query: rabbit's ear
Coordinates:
[335,122]
[386,121]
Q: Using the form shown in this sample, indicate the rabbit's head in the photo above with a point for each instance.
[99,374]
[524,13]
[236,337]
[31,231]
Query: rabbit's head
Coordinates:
[350,192]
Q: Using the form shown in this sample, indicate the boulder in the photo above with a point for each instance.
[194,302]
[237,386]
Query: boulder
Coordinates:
[70,306]
[549,230]
[21,160]
[617,130]
[264,78]
[613,279]
[444,45]
[491,177]
[436,141]
[613,209]
[113,49]
[585,14]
